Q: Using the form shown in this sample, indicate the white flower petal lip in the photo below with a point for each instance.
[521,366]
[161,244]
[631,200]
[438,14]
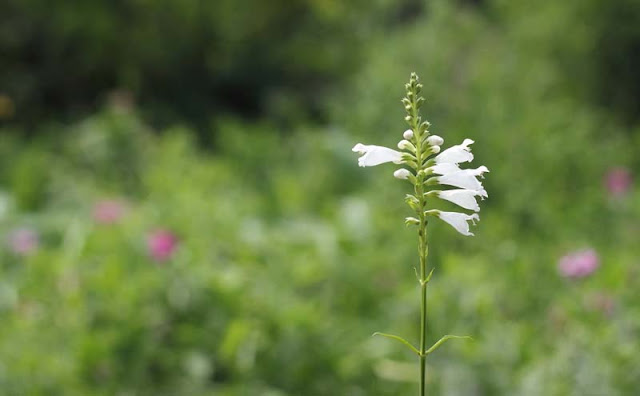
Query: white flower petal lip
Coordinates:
[463,198]
[375,155]
[458,220]
[462,179]
[456,154]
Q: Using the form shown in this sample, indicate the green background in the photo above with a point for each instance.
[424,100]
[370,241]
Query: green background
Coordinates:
[231,125]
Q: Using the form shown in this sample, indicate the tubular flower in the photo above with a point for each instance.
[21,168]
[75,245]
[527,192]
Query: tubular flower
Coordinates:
[376,155]
[466,178]
[463,198]
[456,154]
[459,221]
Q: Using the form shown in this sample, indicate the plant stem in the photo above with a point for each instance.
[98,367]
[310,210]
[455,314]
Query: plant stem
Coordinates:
[420,132]
[423,250]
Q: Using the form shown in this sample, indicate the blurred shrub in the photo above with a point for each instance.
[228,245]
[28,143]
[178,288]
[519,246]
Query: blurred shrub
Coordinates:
[182,59]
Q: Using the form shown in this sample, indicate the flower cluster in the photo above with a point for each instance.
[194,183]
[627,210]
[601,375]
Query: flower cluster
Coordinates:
[430,167]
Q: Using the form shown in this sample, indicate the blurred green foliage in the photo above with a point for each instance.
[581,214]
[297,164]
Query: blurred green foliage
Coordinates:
[182,59]
[289,256]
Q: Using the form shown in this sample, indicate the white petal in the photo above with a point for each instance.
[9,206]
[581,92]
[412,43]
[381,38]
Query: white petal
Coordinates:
[376,155]
[480,171]
[456,154]
[443,169]
[463,179]
[462,198]
[435,140]
[459,221]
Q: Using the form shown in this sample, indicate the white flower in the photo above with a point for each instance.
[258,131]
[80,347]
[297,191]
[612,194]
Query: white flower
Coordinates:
[462,198]
[376,155]
[435,140]
[465,178]
[462,179]
[456,154]
[443,169]
[401,174]
[457,220]
[408,134]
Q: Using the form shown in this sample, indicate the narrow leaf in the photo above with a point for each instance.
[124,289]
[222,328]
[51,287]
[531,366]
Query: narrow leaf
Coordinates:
[402,340]
[443,340]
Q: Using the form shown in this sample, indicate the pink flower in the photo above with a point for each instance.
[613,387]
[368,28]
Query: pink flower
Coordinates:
[578,264]
[109,211]
[161,244]
[618,181]
[23,241]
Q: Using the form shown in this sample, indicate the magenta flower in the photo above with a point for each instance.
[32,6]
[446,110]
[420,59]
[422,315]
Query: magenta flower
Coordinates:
[23,241]
[618,181]
[109,211]
[578,264]
[161,244]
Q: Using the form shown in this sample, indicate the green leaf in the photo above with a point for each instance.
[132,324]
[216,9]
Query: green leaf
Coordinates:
[402,340]
[443,340]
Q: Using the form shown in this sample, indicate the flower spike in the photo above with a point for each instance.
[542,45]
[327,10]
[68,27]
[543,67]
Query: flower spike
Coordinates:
[431,169]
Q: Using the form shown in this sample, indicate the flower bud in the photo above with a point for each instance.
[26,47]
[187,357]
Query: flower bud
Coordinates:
[434,149]
[408,134]
[435,140]
[402,174]
[406,145]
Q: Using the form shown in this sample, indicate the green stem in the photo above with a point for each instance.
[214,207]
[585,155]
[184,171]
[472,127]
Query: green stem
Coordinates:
[423,307]
[421,155]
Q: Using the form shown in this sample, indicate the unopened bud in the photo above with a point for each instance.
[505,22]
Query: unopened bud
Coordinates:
[435,140]
[406,145]
[435,149]
[402,174]
[408,134]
